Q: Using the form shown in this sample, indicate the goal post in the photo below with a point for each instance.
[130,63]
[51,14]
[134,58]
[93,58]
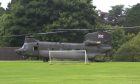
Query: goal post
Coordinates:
[73,55]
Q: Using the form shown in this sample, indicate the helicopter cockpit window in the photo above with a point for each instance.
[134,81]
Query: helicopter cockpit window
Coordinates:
[25,46]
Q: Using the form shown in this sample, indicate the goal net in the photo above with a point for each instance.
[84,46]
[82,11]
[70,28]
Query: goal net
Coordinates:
[68,56]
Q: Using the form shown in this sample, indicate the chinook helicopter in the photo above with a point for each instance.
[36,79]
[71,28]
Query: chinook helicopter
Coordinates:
[95,43]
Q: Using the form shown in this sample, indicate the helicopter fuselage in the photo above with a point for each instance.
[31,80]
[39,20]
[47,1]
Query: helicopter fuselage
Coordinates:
[41,49]
[95,43]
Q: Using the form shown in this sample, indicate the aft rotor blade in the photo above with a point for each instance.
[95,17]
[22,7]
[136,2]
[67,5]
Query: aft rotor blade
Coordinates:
[133,27]
[96,29]
[130,27]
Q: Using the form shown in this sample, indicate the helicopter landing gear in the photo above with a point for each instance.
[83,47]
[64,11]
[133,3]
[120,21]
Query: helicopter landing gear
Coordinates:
[92,59]
[45,59]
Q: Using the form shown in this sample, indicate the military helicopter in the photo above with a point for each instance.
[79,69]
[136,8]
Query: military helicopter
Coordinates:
[95,43]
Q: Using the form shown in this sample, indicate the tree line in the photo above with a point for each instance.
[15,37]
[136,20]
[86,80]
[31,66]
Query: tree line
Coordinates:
[34,16]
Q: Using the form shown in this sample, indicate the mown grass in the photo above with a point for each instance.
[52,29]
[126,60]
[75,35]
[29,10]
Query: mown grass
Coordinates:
[93,73]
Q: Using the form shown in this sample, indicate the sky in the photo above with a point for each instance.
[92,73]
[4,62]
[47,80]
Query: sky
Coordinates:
[103,5]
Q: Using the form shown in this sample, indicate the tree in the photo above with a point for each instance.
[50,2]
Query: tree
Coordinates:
[129,51]
[2,10]
[102,17]
[32,16]
[116,15]
[133,15]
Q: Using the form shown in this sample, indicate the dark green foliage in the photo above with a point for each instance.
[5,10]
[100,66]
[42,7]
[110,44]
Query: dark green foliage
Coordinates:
[32,16]
[119,37]
[133,16]
[2,10]
[129,51]
[116,15]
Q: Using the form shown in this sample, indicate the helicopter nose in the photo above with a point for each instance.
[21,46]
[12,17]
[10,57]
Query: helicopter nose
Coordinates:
[19,51]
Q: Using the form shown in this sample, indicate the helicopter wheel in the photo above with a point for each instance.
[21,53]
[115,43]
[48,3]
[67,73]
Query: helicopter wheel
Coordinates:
[45,59]
[25,57]
[91,60]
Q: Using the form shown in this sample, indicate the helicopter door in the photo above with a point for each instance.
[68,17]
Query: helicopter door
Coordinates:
[36,50]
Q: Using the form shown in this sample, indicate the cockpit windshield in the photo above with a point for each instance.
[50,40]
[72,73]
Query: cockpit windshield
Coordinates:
[25,46]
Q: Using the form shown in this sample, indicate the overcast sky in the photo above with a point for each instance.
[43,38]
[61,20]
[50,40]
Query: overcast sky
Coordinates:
[103,5]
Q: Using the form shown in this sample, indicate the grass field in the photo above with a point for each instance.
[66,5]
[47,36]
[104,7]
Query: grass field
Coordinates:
[94,73]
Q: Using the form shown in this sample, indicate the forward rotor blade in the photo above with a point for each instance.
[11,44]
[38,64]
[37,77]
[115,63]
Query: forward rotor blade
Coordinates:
[73,29]
[13,36]
[51,33]
[47,33]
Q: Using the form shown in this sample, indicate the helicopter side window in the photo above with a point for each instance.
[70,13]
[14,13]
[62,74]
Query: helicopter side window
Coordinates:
[35,48]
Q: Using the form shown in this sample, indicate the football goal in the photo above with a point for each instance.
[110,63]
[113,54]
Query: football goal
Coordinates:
[68,56]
